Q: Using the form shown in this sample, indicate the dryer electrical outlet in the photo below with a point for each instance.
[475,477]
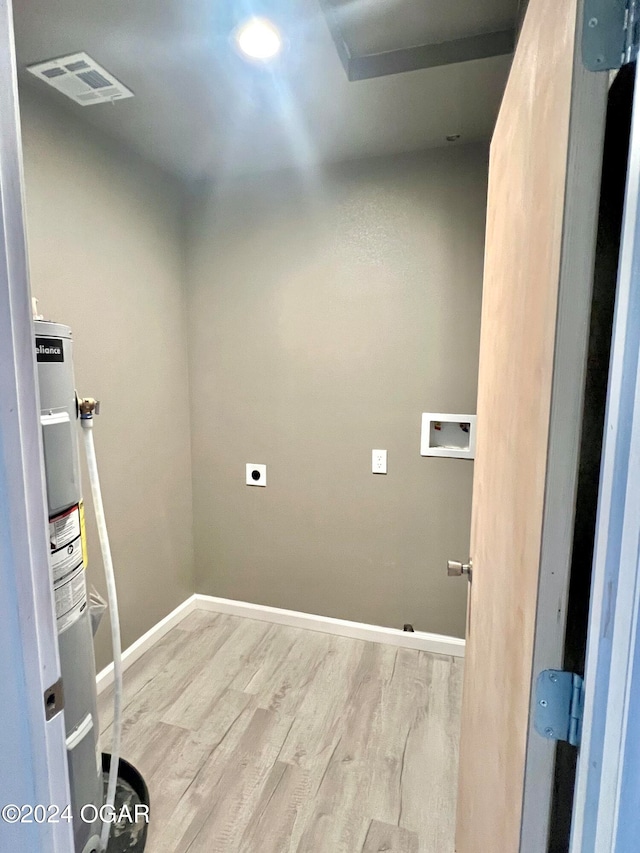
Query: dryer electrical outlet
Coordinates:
[256,475]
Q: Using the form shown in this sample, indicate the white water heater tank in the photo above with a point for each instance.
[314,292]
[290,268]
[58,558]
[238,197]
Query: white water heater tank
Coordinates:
[58,416]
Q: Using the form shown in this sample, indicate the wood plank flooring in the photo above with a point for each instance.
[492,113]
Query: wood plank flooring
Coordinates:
[260,738]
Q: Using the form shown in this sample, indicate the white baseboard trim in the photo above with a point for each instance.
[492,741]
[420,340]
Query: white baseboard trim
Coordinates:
[105,677]
[438,643]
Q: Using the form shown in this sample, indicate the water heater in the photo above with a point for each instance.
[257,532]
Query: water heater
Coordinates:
[58,417]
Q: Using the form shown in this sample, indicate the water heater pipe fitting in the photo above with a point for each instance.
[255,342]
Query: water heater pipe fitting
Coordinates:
[88,407]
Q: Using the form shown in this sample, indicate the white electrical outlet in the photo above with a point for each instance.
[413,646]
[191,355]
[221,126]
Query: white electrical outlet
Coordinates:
[256,475]
[379,461]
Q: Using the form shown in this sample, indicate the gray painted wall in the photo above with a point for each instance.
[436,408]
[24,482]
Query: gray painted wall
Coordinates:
[325,316]
[106,255]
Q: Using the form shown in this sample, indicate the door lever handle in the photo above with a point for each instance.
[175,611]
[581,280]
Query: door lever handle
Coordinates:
[456,569]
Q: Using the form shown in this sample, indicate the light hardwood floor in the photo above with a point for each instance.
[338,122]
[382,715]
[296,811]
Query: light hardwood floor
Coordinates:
[259,738]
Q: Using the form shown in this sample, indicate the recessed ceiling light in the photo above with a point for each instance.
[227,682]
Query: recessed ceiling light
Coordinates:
[258,38]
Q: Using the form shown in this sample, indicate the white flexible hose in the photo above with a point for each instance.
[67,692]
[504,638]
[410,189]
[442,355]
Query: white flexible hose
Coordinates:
[92,464]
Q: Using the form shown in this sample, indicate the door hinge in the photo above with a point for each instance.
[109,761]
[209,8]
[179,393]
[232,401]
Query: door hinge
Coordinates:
[559,706]
[610,33]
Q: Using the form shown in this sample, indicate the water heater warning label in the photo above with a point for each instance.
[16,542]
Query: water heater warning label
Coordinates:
[67,566]
[71,600]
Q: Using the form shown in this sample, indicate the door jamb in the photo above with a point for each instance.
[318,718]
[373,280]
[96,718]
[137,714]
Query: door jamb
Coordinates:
[601,818]
[35,766]
[584,163]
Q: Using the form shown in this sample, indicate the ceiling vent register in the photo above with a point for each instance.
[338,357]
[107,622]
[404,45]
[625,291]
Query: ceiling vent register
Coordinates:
[80,78]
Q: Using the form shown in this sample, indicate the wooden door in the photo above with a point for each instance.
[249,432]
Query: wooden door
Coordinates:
[541,224]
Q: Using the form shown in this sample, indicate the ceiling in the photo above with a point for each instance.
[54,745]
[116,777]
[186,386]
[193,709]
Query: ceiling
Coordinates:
[200,111]
[376,26]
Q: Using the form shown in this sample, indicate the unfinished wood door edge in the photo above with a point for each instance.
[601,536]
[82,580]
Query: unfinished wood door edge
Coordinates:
[420,640]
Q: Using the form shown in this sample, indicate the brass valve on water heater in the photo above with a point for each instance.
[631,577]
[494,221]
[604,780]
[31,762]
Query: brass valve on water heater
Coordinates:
[87,407]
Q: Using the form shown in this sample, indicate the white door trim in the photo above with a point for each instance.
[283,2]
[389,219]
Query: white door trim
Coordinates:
[615,594]
[34,767]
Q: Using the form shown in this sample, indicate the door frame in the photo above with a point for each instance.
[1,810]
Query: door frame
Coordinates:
[607,789]
[34,767]
[582,194]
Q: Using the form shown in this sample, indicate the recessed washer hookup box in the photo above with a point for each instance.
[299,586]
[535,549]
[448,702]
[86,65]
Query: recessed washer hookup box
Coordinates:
[448,435]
